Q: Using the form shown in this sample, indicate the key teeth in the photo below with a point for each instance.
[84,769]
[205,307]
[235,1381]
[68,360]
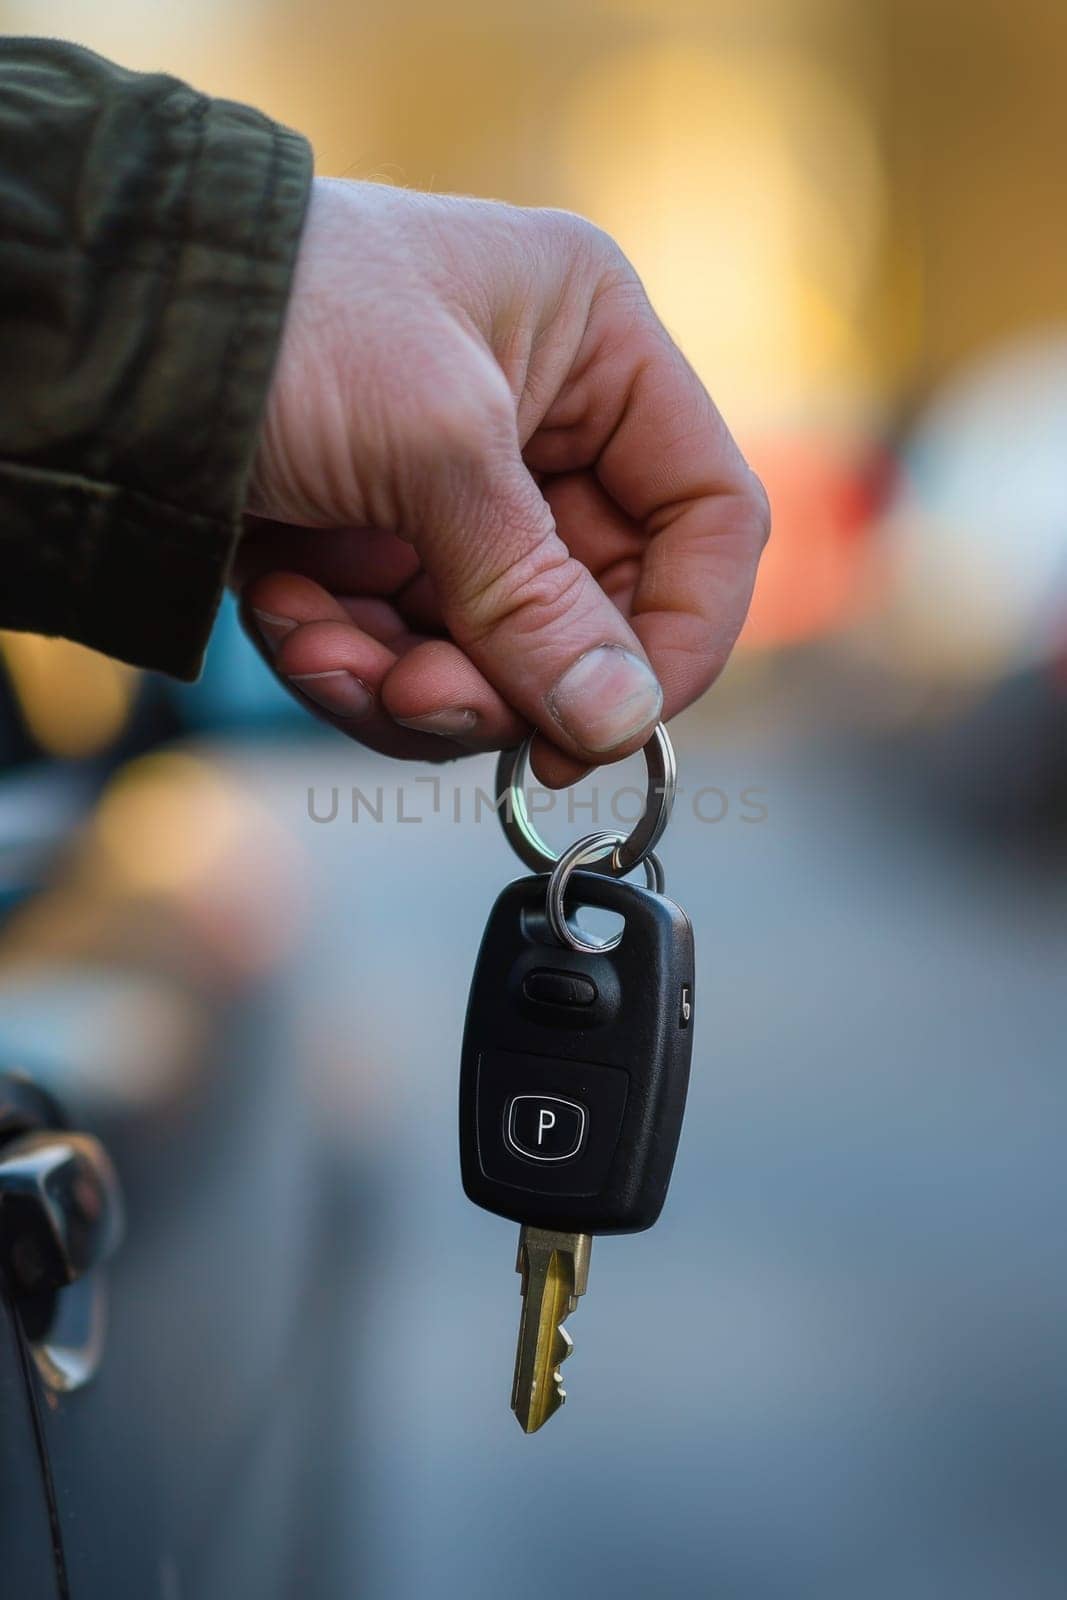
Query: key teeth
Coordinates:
[534,1421]
[564,1347]
[554,1270]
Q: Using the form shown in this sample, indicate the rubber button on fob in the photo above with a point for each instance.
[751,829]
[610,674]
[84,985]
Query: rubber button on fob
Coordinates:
[545,1127]
[559,988]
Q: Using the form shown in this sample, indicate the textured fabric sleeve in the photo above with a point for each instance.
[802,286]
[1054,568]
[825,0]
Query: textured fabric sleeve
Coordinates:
[148,236]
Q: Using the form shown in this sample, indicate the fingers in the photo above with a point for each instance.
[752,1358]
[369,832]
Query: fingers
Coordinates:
[665,460]
[357,665]
[332,669]
[589,631]
[705,511]
[342,560]
[436,689]
[552,768]
[529,614]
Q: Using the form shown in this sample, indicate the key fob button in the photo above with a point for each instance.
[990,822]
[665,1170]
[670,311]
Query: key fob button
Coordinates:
[559,988]
[517,1096]
[545,1127]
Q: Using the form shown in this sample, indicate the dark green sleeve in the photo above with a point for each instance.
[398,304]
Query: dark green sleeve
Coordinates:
[147,242]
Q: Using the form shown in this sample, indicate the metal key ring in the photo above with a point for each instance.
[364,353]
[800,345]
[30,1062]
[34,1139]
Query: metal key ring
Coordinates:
[629,852]
[579,854]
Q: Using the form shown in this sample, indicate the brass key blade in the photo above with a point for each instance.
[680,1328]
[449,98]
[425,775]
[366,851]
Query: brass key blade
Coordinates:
[555,1272]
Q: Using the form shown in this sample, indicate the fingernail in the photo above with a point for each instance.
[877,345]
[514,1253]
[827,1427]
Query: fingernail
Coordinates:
[340,692]
[607,696]
[273,629]
[452,724]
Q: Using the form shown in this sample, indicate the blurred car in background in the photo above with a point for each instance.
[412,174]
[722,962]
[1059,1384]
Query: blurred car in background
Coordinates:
[973,624]
[173,1435]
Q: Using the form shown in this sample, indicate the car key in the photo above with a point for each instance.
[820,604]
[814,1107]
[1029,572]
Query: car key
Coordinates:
[573,1082]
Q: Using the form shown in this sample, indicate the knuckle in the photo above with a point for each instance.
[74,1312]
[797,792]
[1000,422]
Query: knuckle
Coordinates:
[615,272]
[587,238]
[536,593]
[759,510]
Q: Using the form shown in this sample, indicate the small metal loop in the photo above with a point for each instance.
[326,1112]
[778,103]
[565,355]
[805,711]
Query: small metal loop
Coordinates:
[579,854]
[629,851]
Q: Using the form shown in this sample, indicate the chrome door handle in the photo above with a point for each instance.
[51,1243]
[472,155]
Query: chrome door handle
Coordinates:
[60,1209]
[61,1217]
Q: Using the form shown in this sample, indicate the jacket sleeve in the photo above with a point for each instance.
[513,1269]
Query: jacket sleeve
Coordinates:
[147,241]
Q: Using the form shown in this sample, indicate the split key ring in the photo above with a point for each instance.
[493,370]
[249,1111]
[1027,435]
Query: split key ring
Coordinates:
[628,852]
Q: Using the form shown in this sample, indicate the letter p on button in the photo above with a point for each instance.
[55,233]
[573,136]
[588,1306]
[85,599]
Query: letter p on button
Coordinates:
[544,1127]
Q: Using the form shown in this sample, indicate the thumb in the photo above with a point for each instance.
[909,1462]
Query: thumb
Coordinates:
[533,619]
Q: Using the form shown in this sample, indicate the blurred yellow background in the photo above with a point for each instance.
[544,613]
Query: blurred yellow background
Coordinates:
[831,202]
[836,208]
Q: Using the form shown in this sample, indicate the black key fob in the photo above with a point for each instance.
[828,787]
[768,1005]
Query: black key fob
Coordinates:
[575,1064]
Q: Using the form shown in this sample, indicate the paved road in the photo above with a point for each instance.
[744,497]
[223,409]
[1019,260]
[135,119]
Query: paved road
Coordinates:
[836,1367]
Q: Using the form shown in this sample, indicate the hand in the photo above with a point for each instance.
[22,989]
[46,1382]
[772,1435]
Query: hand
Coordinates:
[527,508]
